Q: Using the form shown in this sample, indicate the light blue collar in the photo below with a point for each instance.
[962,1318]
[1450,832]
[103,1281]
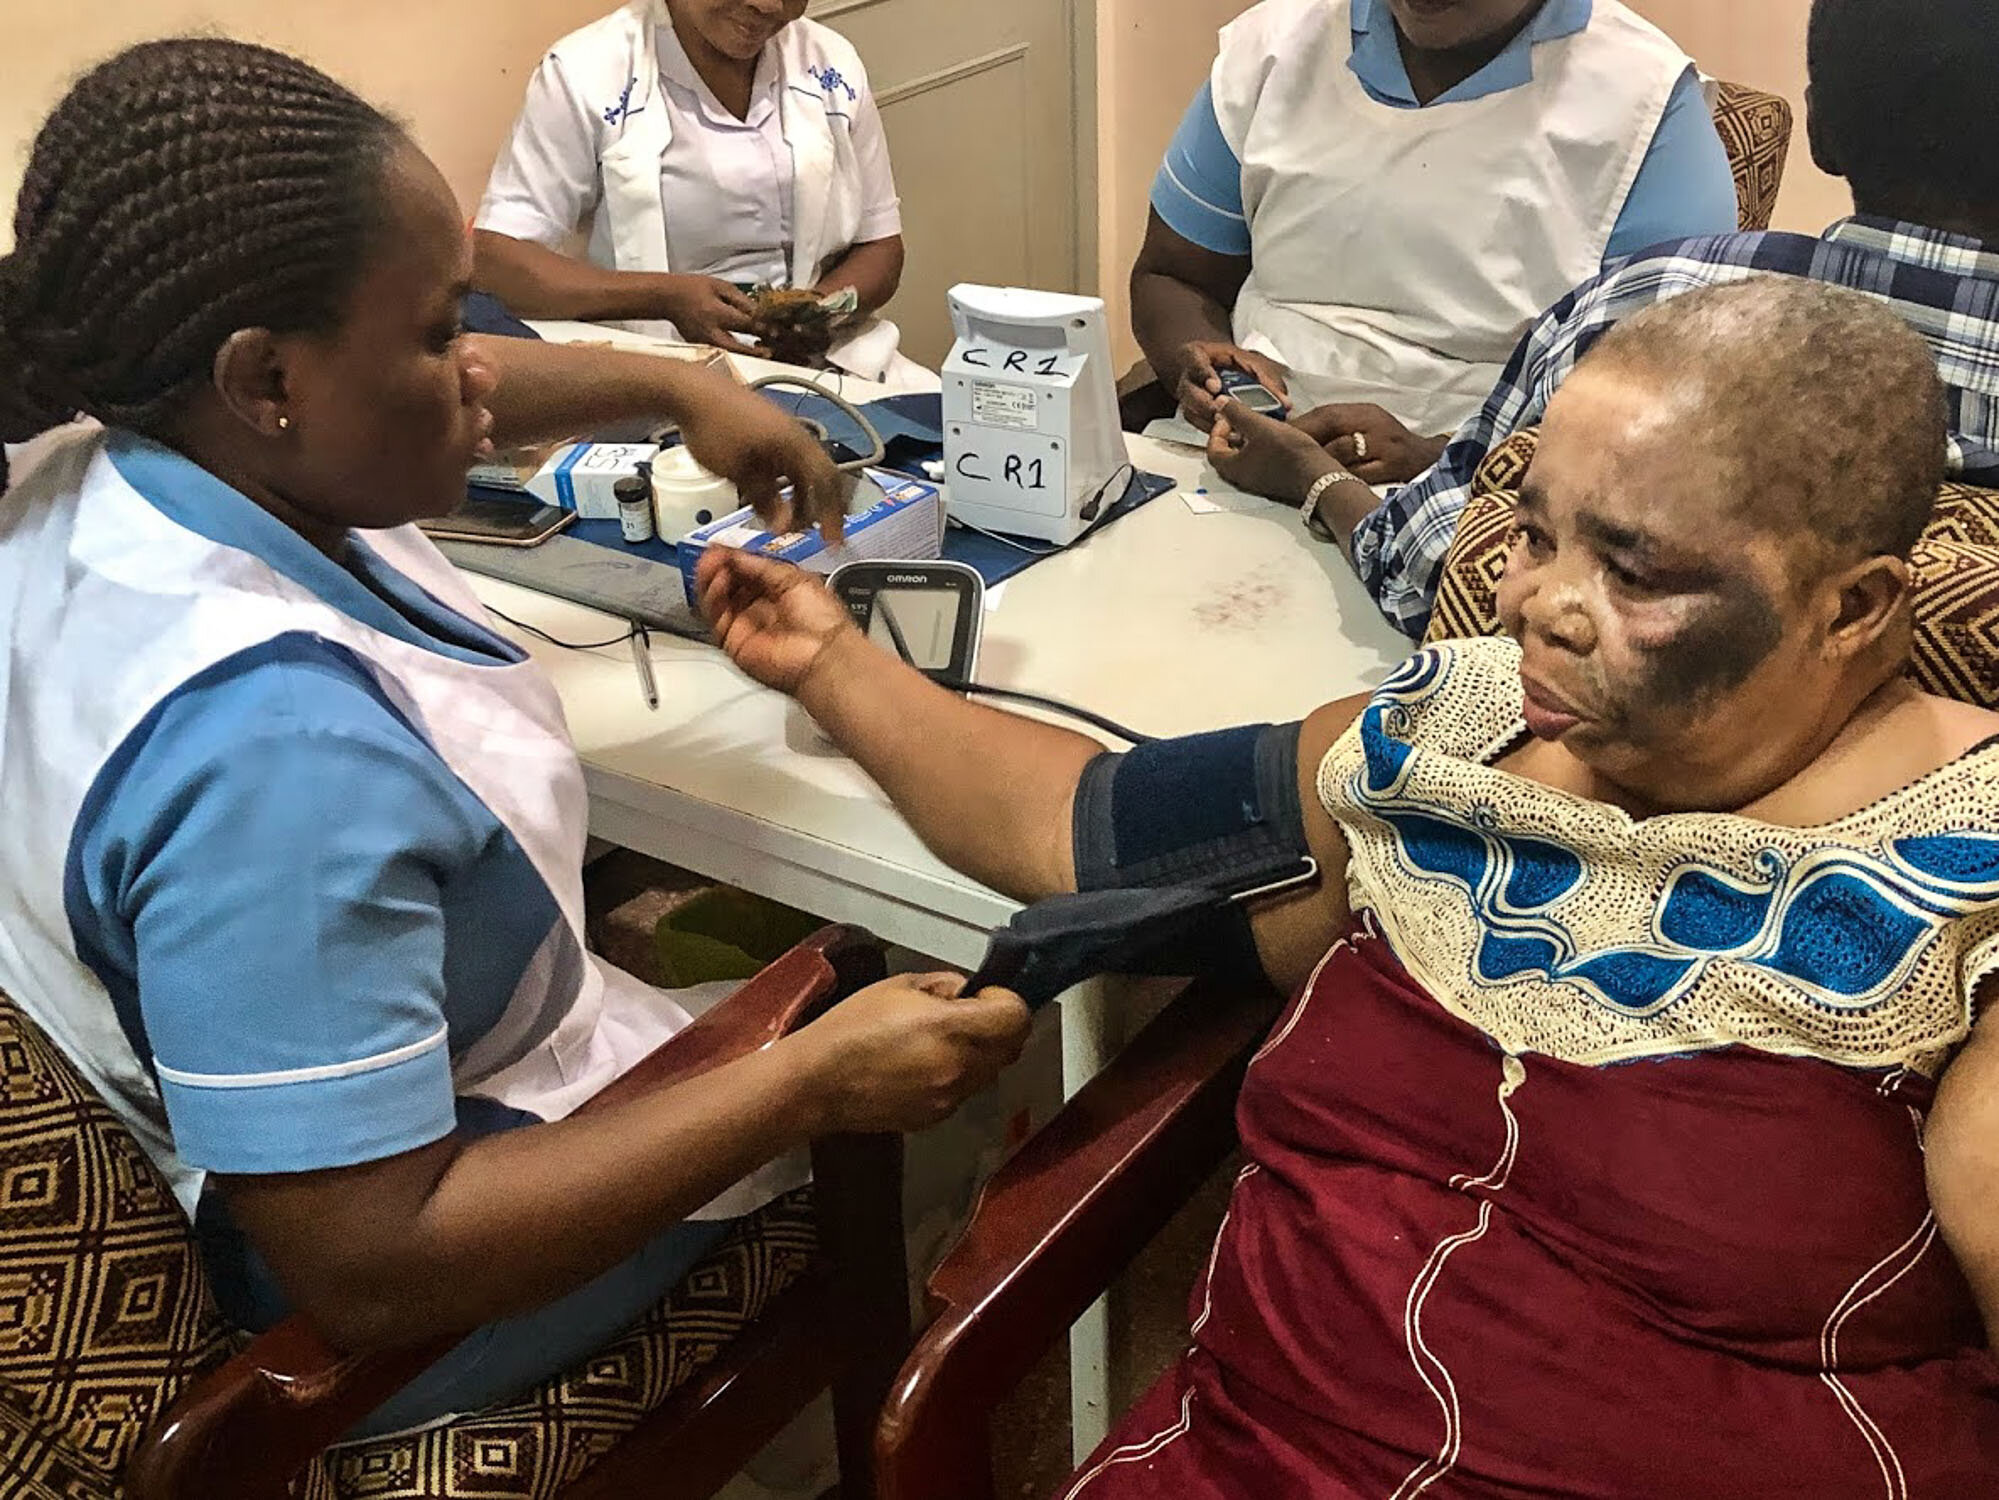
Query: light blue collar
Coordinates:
[1377,56]
[368,590]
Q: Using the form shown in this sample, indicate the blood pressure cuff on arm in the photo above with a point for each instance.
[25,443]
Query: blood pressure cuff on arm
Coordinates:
[1218,810]
[1215,811]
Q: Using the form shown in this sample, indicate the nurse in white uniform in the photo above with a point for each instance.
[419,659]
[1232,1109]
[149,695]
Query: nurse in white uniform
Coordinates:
[707,146]
[292,863]
[1369,201]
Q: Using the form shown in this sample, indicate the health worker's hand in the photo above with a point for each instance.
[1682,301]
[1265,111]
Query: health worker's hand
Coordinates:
[904,1054]
[708,310]
[1198,386]
[758,448]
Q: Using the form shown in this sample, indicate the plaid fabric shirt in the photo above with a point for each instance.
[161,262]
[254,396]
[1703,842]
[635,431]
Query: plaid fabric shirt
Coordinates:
[1946,286]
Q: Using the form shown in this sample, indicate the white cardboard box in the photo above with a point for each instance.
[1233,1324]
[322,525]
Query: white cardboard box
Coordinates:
[578,476]
[906,523]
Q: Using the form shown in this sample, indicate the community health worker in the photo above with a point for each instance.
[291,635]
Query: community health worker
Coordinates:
[1370,200]
[292,870]
[709,146]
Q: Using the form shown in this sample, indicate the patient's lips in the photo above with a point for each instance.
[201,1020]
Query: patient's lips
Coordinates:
[1547,715]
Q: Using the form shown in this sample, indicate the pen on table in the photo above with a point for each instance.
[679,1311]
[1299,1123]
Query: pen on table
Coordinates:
[642,659]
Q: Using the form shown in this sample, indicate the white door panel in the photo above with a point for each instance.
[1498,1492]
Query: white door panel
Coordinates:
[981,102]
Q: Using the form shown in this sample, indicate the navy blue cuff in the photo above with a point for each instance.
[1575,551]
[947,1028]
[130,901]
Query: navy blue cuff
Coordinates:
[1220,811]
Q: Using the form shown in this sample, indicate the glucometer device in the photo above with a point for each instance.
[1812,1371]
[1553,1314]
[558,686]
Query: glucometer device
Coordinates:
[1252,393]
[928,613]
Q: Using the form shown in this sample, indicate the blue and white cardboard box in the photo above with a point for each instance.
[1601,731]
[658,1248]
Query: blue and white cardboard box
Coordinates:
[579,477]
[902,519]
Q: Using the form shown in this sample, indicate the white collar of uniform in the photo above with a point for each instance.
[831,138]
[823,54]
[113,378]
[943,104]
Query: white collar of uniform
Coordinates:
[676,70]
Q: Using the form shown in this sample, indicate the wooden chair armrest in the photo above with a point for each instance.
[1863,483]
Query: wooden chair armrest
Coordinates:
[796,988]
[1057,1223]
[245,1429]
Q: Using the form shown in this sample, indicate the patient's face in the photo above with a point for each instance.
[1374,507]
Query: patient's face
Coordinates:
[1661,629]
[1443,25]
[737,28]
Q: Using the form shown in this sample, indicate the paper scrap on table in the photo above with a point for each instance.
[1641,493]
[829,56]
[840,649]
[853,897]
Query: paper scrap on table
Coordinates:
[995,594]
[1176,429]
[1201,505]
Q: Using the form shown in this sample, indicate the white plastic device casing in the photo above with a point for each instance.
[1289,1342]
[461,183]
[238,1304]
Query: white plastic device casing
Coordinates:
[685,495]
[1031,435]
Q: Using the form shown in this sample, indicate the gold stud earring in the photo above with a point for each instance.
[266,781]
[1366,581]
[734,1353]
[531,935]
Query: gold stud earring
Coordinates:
[284,424]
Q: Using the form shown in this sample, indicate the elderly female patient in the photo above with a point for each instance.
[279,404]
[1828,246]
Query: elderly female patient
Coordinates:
[1632,1131]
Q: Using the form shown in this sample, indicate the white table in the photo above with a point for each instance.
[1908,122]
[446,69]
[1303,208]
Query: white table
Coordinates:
[1169,621]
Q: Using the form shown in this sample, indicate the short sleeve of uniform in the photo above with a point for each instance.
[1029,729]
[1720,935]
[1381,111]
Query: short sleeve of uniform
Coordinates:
[259,874]
[1685,187]
[546,181]
[881,205]
[1198,192]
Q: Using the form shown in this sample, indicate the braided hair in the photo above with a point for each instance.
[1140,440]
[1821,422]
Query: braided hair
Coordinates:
[181,191]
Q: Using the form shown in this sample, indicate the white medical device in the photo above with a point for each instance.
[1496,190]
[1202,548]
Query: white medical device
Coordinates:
[1032,445]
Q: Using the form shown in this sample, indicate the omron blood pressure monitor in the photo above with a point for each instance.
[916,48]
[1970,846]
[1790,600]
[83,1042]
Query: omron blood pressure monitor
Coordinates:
[928,613]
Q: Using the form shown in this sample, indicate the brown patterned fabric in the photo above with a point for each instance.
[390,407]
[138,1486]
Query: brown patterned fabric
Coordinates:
[104,1312]
[34,1466]
[1756,129]
[1956,564]
[105,1317]
[532,1448]
[1957,616]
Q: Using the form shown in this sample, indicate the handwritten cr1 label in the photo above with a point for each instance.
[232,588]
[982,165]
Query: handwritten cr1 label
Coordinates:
[995,404]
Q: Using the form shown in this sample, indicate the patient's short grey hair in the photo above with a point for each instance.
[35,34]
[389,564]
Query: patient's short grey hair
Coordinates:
[1825,404]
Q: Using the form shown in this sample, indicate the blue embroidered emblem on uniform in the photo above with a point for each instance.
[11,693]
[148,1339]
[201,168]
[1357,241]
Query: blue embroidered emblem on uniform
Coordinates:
[621,111]
[828,78]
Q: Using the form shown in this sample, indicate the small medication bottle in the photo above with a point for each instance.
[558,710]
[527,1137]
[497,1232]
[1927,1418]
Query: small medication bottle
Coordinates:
[635,505]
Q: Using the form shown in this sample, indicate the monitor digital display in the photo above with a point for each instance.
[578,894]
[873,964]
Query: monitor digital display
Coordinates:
[927,620]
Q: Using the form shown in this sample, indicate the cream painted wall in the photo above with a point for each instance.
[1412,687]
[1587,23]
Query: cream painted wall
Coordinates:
[1760,43]
[1151,56]
[454,68]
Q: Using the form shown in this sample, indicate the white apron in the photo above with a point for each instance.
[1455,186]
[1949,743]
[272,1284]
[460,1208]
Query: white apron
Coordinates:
[113,607]
[826,181]
[1400,254]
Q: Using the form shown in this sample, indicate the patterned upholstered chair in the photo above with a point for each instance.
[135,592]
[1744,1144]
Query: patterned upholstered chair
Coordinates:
[1756,129]
[117,1376]
[1957,577]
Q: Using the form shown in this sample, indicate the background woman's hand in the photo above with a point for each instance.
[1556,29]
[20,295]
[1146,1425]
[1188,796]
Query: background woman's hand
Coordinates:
[758,448]
[906,1053]
[1371,442]
[1198,385]
[707,310]
[775,621]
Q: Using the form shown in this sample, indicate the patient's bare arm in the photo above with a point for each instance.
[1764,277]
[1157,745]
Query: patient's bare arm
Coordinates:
[1962,1158]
